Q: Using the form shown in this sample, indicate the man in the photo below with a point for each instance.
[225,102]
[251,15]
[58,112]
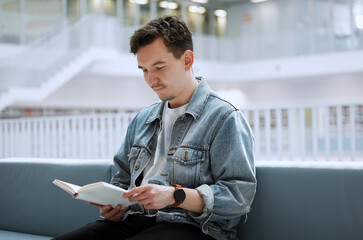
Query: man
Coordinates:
[188,161]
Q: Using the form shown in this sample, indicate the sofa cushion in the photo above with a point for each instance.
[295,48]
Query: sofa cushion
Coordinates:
[6,235]
[306,200]
[31,203]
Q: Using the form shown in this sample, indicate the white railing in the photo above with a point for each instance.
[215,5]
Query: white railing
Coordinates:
[319,133]
[95,136]
[325,133]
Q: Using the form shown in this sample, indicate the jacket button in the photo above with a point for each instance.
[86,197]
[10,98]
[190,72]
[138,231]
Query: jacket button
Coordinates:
[136,167]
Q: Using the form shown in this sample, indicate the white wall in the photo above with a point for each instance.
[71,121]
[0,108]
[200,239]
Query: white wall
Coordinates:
[7,50]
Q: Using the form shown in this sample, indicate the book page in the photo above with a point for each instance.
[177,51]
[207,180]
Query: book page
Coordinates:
[104,194]
[68,187]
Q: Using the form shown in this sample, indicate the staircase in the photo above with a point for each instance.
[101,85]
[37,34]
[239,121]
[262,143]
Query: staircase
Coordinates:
[44,66]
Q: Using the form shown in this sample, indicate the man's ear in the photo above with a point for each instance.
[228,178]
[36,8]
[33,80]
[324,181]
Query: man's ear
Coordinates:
[188,59]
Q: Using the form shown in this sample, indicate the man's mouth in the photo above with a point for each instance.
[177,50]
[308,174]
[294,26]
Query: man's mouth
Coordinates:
[157,87]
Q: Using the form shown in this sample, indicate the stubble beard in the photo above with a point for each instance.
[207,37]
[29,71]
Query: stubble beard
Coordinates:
[164,97]
[167,98]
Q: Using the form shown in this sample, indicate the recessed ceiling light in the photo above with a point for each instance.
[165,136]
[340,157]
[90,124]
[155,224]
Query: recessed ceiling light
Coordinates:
[220,13]
[257,1]
[141,2]
[170,5]
[200,1]
[196,9]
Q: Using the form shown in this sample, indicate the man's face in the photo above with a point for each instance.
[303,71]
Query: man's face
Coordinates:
[164,73]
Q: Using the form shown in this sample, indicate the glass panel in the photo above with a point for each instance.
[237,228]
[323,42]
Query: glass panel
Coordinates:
[41,16]
[10,22]
[73,10]
[128,13]
[110,7]
[144,13]
[220,26]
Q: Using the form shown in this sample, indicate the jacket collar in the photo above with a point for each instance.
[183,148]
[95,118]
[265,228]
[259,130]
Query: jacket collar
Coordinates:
[196,104]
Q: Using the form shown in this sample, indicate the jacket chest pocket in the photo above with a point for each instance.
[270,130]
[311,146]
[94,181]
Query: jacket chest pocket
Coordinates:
[187,166]
[132,156]
[138,158]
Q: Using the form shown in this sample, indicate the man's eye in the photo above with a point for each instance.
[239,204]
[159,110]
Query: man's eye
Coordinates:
[144,70]
[160,68]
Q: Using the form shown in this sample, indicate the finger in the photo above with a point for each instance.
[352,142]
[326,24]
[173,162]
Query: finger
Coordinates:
[104,210]
[95,204]
[134,191]
[113,213]
[119,215]
[139,197]
[144,202]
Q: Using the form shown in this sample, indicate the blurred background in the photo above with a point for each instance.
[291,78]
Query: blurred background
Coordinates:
[69,86]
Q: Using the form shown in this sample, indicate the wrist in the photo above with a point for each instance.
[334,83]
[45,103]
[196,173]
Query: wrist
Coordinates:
[171,195]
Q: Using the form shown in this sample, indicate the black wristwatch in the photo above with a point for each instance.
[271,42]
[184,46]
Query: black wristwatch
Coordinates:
[179,195]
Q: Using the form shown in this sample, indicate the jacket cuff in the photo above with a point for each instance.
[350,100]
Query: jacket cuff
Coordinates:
[207,194]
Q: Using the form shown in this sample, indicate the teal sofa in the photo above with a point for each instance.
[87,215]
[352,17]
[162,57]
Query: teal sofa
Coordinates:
[294,200]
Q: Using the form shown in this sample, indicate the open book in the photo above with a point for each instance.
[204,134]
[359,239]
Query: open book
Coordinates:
[100,193]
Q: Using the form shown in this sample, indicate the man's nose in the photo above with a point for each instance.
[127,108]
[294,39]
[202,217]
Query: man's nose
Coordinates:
[150,78]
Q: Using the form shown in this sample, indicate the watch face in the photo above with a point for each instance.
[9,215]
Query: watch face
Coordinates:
[179,195]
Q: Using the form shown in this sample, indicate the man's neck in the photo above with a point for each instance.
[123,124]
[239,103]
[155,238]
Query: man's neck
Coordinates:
[193,83]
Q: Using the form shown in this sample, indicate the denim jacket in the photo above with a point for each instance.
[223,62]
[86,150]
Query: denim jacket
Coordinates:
[211,150]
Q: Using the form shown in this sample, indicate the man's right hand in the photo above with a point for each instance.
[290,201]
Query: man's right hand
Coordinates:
[110,213]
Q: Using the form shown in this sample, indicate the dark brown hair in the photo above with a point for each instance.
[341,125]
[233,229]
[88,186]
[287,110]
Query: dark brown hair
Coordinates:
[171,29]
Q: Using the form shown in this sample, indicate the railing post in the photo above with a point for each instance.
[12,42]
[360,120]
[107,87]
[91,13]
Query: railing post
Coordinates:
[339,131]
[352,131]
[327,132]
[256,130]
[6,139]
[41,145]
[2,155]
[119,131]
[314,129]
[268,133]
[87,139]
[13,139]
[54,149]
[67,139]
[102,141]
[81,132]
[279,132]
[47,134]
[302,133]
[75,132]
[292,133]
